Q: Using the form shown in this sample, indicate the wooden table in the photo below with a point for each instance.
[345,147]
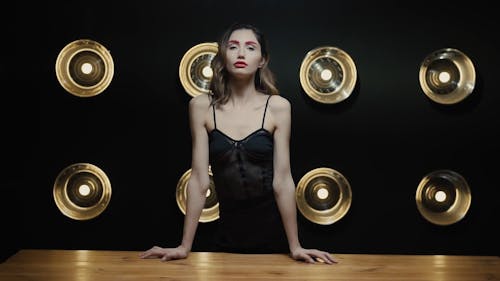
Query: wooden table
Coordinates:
[92,265]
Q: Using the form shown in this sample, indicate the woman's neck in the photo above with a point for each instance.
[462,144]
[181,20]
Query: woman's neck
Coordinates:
[242,91]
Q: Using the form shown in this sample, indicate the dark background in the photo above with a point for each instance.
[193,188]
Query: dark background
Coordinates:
[384,138]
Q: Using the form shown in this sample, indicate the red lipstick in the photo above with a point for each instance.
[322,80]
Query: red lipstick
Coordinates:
[240,64]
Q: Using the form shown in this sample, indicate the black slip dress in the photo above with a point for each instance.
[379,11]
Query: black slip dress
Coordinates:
[249,219]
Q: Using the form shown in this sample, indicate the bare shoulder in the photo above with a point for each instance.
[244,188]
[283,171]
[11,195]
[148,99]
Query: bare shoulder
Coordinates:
[279,104]
[200,103]
[280,112]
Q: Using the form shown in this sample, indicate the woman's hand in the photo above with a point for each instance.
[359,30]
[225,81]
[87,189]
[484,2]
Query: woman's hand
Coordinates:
[165,254]
[312,256]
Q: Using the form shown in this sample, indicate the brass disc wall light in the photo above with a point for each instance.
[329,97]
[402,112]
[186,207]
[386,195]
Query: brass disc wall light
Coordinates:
[84,68]
[82,191]
[323,195]
[328,74]
[210,211]
[443,197]
[447,76]
[195,71]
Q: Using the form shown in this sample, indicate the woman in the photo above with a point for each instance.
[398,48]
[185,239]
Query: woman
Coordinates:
[242,129]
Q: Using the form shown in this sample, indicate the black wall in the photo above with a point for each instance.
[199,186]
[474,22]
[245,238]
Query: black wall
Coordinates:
[384,138]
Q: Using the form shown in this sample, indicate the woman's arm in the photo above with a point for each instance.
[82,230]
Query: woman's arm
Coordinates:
[197,185]
[199,181]
[283,184]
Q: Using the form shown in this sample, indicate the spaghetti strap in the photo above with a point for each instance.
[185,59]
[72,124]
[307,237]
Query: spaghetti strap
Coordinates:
[213,109]
[265,110]
[215,123]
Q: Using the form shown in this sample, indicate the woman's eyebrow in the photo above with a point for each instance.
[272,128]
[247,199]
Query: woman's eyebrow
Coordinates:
[246,43]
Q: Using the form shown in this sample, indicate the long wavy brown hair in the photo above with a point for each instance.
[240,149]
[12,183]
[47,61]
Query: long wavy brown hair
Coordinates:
[265,81]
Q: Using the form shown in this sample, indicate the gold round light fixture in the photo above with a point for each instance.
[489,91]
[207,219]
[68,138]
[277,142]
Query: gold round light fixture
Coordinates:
[84,68]
[323,195]
[443,197]
[328,74]
[82,191]
[195,71]
[210,211]
[447,76]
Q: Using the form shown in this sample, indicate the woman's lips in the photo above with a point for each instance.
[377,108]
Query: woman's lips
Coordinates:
[240,64]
